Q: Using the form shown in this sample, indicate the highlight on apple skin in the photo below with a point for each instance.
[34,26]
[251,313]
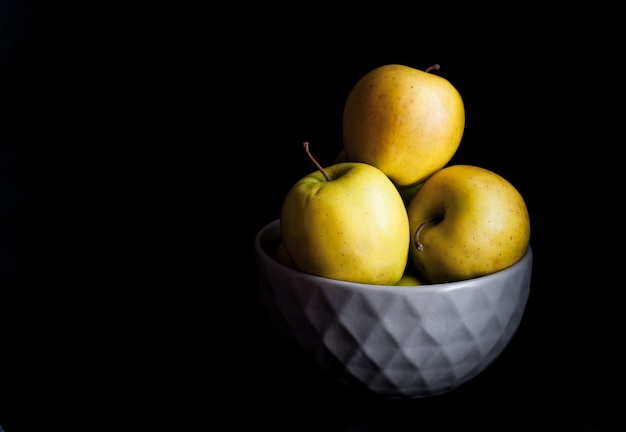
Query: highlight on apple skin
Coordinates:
[348,222]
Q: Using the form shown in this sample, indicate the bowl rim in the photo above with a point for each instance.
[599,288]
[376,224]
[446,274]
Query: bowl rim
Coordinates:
[261,241]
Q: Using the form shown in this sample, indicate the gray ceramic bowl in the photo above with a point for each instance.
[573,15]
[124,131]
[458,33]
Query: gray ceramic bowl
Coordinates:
[396,341]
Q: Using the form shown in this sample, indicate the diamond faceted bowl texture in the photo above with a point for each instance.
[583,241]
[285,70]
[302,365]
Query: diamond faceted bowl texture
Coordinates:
[395,341]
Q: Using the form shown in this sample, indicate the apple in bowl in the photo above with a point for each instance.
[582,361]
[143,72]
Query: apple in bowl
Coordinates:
[395,341]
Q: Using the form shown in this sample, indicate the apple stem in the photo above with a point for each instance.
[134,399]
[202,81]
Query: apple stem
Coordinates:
[319,167]
[433,67]
[418,244]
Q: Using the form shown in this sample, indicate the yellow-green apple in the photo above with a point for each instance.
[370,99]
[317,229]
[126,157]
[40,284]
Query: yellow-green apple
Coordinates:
[409,278]
[341,156]
[407,193]
[281,255]
[405,121]
[466,221]
[347,222]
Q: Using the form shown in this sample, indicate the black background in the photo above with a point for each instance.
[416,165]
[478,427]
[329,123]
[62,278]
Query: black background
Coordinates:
[144,147]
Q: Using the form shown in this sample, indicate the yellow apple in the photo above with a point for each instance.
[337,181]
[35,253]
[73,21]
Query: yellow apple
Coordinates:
[405,121]
[405,192]
[347,222]
[466,221]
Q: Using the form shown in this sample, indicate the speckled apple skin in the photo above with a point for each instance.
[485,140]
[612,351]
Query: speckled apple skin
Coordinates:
[480,224]
[405,121]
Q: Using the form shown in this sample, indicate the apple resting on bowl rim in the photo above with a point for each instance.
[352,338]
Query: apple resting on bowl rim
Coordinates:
[394,341]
